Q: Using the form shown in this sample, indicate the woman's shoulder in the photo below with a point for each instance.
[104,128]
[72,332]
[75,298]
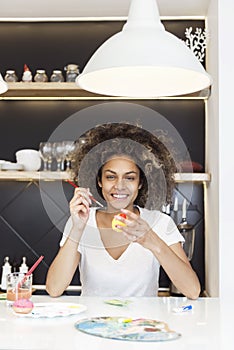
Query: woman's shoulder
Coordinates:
[149,212]
[154,216]
[163,225]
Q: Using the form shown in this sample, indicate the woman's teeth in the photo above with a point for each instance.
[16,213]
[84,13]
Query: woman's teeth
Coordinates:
[120,196]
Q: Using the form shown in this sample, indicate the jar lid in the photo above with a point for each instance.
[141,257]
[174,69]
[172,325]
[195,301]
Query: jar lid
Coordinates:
[72,66]
[10,71]
[56,71]
[41,71]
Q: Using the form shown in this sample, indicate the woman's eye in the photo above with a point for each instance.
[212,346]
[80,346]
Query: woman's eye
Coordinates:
[130,178]
[110,177]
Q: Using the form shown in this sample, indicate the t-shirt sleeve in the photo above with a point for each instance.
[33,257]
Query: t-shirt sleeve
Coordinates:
[168,231]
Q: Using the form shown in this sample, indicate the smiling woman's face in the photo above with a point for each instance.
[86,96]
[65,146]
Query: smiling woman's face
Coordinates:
[120,182]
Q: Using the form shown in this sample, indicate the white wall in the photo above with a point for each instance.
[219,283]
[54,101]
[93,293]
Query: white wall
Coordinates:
[212,160]
[226,148]
[220,148]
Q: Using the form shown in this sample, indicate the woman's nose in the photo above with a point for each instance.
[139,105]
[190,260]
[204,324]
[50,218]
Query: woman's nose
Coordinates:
[119,184]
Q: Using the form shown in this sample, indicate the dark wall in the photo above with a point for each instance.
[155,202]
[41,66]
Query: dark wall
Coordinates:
[32,225]
[25,123]
[52,45]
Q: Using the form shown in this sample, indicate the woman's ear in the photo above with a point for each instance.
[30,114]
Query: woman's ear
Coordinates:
[99,183]
[140,186]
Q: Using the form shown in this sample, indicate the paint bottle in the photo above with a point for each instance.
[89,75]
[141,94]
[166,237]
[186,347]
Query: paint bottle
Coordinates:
[6,268]
[23,267]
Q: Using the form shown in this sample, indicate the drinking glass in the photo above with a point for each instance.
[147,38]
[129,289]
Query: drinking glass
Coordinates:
[59,153]
[46,153]
[70,150]
[18,286]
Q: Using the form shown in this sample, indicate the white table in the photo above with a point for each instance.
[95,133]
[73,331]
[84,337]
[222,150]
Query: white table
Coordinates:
[208,327]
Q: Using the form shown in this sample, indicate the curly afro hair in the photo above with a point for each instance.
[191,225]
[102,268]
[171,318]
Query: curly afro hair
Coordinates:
[155,162]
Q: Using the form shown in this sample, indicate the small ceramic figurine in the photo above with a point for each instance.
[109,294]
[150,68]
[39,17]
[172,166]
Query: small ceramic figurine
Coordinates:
[27,75]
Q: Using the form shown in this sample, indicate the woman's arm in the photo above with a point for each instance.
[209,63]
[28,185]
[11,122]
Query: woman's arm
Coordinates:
[62,269]
[175,263]
[65,263]
[172,258]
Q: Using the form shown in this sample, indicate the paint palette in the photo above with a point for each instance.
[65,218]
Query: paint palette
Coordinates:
[123,328]
[50,310]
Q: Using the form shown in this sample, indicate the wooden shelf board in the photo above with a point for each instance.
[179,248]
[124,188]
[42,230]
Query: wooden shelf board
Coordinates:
[192,177]
[42,86]
[35,90]
[66,175]
[34,175]
[71,90]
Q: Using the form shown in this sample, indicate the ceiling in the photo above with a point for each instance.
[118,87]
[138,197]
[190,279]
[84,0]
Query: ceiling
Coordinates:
[94,8]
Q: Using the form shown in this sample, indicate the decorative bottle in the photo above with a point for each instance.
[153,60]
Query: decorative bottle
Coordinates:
[23,267]
[6,268]
[72,71]
[175,210]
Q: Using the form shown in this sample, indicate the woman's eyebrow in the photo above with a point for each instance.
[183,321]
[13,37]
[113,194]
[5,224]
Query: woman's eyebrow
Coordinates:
[114,172]
[110,171]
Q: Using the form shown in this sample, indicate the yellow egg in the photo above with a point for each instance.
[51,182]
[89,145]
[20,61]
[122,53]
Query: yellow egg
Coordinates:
[117,222]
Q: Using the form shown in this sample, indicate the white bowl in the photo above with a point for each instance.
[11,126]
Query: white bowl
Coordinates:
[29,158]
[11,166]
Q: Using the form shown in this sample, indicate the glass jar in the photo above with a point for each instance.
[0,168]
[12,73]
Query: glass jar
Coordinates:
[40,76]
[10,76]
[57,76]
[188,232]
[72,71]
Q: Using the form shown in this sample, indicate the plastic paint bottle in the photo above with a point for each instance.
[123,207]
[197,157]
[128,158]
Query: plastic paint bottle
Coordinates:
[6,268]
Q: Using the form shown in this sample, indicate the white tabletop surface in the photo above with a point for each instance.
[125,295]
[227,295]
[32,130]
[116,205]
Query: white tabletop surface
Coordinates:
[209,326]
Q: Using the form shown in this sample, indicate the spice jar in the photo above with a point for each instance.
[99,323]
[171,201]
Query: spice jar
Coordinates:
[10,76]
[57,76]
[40,76]
[72,71]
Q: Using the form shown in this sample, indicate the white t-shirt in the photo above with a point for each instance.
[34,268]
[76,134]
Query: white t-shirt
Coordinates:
[135,273]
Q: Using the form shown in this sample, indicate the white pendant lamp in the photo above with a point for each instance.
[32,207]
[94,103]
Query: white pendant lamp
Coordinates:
[143,60]
[3,85]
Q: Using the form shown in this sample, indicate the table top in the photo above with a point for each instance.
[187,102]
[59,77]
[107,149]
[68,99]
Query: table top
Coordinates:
[207,326]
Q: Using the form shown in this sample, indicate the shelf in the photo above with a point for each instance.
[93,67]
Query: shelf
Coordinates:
[192,177]
[46,90]
[66,90]
[35,175]
[66,175]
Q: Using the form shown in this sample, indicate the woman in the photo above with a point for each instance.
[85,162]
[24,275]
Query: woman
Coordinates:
[133,178]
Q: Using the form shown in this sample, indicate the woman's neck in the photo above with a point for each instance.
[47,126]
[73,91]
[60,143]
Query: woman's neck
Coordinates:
[113,211]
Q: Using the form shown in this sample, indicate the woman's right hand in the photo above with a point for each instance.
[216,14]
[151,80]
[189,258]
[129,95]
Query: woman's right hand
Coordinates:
[79,208]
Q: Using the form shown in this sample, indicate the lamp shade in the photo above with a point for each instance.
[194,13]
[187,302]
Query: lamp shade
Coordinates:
[3,85]
[143,60]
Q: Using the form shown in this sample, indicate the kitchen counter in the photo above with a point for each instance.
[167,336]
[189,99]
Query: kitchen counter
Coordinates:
[206,327]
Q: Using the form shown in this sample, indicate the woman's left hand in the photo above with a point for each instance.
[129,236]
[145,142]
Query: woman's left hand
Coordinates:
[136,229]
